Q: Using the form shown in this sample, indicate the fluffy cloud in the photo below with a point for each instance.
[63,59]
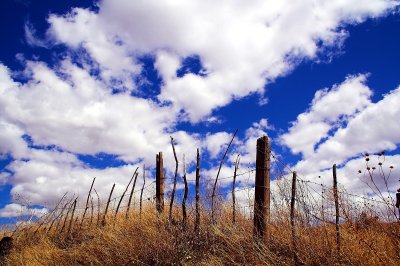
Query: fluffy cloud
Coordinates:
[356,126]
[84,104]
[240,45]
[17,210]
[328,109]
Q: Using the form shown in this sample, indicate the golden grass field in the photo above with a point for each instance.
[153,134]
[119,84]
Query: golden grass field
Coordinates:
[153,240]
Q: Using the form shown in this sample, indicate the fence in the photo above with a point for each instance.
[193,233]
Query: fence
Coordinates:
[308,203]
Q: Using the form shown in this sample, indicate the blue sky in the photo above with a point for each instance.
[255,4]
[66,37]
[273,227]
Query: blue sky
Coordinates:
[93,88]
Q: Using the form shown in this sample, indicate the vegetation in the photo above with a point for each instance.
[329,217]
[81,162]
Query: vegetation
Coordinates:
[154,240]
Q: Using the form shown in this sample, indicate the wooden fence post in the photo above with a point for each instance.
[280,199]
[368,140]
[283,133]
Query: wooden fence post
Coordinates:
[335,195]
[72,217]
[141,192]
[171,203]
[292,225]
[233,189]
[87,202]
[135,175]
[184,215]
[262,190]
[197,220]
[103,223]
[159,183]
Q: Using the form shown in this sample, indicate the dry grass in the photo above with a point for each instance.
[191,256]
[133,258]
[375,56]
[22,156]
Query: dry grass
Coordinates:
[153,240]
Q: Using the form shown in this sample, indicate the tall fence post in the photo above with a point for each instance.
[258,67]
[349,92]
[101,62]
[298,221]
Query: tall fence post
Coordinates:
[159,183]
[262,190]
[335,195]
[292,225]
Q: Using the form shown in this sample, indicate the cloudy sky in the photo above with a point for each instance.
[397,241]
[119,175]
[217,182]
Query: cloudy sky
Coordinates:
[96,89]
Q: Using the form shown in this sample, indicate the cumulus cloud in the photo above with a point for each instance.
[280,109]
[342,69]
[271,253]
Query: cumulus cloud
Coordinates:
[17,210]
[84,104]
[241,46]
[328,109]
[352,125]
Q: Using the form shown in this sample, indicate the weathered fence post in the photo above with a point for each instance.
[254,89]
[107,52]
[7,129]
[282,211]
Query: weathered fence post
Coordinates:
[159,183]
[292,225]
[184,215]
[197,220]
[141,192]
[335,195]
[103,223]
[66,217]
[87,202]
[262,190]
[171,203]
[98,208]
[233,189]
[135,175]
[72,217]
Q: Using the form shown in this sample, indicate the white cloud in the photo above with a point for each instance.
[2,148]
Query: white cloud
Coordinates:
[357,124]
[216,143]
[240,45]
[372,130]
[17,210]
[328,109]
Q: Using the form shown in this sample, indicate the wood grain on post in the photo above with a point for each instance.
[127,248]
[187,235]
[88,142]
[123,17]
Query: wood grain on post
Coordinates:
[103,223]
[335,195]
[262,190]
[292,225]
[197,220]
[159,183]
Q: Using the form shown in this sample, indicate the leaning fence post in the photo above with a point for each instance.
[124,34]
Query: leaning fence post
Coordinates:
[103,223]
[135,175]
[141,192]
[292,225]
[184,215]
[159,183]
[262,189]
[233,189]
[72,217]
[87,202]
[335,195]
[197,220]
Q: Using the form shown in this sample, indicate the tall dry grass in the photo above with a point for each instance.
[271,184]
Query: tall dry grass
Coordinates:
[153,240]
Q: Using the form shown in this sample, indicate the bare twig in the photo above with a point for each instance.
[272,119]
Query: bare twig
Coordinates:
[216,179]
